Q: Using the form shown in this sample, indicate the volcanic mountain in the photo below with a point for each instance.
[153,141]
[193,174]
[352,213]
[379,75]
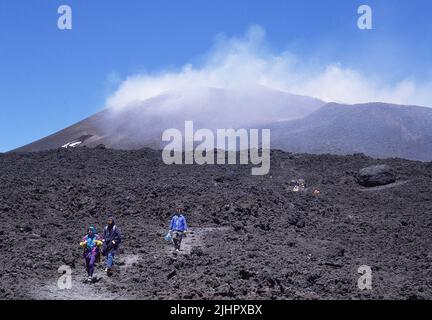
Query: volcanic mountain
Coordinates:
[141,123]
[376,129]
[298,123]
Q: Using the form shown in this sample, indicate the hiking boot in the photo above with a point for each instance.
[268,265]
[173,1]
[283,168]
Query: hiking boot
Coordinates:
[89,279]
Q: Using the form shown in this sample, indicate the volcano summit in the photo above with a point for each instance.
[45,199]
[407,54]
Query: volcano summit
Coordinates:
[297,123]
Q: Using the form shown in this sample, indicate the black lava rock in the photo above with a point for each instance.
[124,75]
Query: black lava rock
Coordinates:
[251,237]
[378,175]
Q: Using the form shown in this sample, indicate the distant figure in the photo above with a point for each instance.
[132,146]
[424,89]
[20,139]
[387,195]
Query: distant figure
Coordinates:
[317,192]
[111,242]
[178,228]
[91,244]
[298,185]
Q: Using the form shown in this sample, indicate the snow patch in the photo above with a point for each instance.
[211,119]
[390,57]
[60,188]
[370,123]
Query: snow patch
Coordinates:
[72,144]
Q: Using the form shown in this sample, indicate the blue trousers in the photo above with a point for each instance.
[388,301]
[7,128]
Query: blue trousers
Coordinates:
[110,259]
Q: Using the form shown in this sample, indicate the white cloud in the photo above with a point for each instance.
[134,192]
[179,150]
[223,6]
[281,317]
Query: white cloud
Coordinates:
[247,61]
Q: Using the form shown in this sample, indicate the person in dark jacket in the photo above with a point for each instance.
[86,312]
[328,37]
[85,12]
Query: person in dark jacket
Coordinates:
[178,228]
[111,242]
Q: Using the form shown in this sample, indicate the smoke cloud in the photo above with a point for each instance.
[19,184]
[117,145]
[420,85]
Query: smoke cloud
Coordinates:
[247,62]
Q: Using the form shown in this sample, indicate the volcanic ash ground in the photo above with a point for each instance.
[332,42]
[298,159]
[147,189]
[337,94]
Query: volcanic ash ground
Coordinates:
[252,237]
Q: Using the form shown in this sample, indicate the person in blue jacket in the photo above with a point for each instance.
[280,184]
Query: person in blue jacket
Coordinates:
[111,242]
[178,228]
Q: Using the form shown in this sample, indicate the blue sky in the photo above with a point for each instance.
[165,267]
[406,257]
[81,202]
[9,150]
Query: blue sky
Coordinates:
[50,79]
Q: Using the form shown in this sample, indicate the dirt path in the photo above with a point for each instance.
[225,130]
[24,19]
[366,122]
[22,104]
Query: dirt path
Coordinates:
[99,289]
[81,290]
[195,238]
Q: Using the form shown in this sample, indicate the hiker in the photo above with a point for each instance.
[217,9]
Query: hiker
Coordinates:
[91,244]
[111,242]
[178,228]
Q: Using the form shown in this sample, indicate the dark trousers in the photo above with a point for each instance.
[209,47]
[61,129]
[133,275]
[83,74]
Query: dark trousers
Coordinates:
[90,259]
[177,239]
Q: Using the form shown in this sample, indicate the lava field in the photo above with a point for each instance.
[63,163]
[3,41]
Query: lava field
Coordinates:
[251,237]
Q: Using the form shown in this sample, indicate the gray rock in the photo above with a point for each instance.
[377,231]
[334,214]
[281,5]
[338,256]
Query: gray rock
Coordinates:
[377,175]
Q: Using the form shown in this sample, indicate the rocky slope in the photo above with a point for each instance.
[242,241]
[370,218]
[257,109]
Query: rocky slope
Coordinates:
[375,129]
[142,123]
[252,236]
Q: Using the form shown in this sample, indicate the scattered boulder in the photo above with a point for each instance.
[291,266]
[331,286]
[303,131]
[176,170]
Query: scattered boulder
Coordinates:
[171,274]
[377,175]
[25,228]
[29,263]
[227,177]
[197,251]
[238,226]
[246,274]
